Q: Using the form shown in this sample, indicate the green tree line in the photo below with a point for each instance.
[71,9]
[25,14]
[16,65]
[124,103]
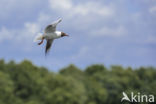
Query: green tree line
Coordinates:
[25,83]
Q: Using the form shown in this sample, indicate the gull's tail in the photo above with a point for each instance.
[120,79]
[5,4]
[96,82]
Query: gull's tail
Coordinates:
[38,37]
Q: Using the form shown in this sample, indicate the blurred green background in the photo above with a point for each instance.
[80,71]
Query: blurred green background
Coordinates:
[25,83]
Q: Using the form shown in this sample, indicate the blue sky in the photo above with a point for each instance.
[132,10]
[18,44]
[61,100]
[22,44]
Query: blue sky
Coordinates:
[109,32]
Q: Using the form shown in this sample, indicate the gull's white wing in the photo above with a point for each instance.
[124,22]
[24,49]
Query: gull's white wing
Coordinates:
[52,27]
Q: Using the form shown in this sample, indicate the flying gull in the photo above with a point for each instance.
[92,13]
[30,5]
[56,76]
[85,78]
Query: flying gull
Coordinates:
[49,35]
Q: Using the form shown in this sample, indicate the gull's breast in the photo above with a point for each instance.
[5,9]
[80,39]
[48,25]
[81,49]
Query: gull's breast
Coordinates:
[50,36]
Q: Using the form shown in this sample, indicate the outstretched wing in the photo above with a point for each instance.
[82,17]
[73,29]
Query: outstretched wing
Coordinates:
[48,45]
[52,27]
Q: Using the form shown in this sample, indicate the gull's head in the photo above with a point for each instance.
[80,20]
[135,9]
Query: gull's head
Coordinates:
[63,34]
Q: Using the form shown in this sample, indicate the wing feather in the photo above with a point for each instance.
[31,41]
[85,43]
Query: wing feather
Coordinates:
[48,45]
[52,27]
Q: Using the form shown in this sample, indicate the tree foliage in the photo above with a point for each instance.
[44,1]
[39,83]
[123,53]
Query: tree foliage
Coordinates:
[25,83]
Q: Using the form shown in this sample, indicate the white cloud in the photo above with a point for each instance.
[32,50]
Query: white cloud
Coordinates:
[43,18]
[6,8]
[9,8]
[95,8]
[88,8]
[27,32]
[32,28]
[112,32]
[61,4]
[18,35]
[152,10]
[5,34]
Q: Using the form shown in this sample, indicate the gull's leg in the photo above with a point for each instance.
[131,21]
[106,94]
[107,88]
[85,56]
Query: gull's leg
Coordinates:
[41,41]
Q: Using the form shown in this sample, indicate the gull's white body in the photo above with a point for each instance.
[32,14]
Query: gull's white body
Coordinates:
[52,35]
